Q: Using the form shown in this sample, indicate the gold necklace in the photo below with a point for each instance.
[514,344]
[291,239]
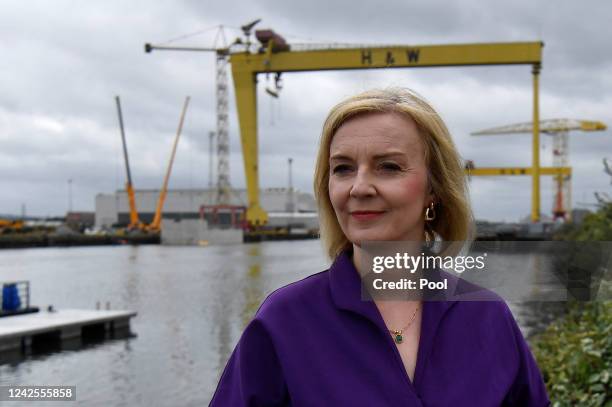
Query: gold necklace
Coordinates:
[397,334]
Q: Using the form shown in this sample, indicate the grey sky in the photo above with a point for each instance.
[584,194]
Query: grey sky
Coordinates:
[64,61]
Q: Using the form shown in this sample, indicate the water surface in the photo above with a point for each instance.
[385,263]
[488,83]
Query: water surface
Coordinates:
[192,304]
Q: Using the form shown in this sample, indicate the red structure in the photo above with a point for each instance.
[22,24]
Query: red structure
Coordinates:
[224,216]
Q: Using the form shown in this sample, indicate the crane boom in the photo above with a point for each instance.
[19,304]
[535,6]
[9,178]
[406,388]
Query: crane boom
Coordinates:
[222,133]
[134,220]
[551,126]
[156,224]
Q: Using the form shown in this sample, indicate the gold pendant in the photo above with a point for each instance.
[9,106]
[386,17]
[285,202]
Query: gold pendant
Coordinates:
[398,337]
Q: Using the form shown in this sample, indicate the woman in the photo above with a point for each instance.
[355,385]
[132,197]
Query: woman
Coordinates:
[387,170]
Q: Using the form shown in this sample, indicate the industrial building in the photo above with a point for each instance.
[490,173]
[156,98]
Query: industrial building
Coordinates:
[286,207]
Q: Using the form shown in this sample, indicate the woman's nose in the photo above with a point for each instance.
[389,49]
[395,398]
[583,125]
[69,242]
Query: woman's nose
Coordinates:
[363,185]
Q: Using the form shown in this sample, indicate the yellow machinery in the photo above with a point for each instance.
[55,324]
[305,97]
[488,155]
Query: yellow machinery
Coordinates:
[275,57]
[246,66]
[10,225]
[559,129]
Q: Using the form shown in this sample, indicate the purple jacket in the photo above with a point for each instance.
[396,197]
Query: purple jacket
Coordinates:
[316,343]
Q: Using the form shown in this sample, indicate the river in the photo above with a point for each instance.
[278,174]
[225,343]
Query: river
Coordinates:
[192,304]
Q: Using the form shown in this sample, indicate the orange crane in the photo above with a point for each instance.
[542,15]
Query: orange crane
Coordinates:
[135,223]
[559,129]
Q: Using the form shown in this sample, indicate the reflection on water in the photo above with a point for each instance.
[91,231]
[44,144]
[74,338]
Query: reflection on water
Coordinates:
[192,304]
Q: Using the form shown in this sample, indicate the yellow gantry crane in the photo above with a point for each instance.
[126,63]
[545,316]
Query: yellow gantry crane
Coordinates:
[275,56]
[559,129]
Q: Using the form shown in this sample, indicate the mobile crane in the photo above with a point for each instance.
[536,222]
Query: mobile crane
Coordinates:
[135,223]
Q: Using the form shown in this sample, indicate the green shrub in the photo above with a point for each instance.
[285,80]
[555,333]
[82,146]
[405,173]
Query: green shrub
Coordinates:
[595,227]
[575,356]
[575,352]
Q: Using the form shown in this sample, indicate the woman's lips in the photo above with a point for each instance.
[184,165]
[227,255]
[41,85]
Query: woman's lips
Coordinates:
[366,215]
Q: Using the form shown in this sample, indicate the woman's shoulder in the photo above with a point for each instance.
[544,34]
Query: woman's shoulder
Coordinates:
[483,323]
[295,297]
[475,302]
[494,311]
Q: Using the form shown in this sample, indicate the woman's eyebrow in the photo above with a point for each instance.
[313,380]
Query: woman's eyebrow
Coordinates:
[381,156]
[339,156]
[389,155]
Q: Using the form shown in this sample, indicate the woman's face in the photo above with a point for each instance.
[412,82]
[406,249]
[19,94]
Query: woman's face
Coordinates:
[378,183]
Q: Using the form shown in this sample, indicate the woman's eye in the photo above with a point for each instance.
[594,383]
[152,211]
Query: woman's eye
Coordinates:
[340,168]
[390,167]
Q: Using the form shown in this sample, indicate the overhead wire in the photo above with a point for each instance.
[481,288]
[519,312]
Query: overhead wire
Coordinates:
[192,34]
[220,35]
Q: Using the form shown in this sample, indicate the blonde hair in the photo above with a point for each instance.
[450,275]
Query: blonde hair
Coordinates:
[453,221]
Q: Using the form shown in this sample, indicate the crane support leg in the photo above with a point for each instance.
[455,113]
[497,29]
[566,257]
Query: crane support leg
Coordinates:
[535,185]
[245,86]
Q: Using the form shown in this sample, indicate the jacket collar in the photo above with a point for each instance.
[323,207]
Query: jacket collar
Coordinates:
[345,286]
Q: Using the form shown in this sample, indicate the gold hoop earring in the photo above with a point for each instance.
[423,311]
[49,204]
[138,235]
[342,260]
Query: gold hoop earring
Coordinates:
[430,213]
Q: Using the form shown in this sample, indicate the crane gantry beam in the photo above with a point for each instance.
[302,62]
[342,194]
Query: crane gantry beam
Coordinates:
[392,56]
[496,171]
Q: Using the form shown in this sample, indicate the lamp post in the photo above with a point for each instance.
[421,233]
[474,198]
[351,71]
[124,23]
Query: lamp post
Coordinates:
[290,200]
[69,195]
